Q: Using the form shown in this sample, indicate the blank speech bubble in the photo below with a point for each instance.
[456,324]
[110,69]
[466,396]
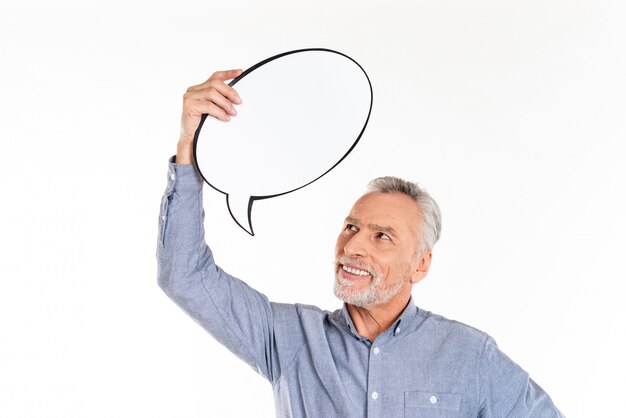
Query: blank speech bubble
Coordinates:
[302,113]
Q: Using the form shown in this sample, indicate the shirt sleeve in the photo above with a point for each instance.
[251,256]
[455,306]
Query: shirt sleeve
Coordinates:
[506,390]
[236,315]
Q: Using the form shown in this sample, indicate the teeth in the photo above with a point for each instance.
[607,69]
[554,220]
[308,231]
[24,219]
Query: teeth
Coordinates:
[355,271]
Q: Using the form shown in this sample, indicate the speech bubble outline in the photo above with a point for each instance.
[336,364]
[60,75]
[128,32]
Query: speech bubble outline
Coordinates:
[232,201]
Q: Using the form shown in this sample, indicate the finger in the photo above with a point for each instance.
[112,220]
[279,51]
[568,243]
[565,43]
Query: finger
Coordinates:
[227,91]
[226,75]
[208,108]
[220,76]
[218,112]
[216,96]
[210,94]
[223,88]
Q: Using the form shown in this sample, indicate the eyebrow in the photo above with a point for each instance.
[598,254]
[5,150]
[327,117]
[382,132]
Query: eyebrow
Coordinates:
[382,228]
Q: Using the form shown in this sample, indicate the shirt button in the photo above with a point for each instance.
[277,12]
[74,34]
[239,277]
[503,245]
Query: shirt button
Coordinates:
[433,399]
[163,218]
[172,176]
[376,350]
[397,331]
[374,395]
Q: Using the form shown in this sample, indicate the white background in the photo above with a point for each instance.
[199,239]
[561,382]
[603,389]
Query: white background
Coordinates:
[510,113]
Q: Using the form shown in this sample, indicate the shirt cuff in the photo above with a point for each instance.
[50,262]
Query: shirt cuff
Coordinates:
[183,176]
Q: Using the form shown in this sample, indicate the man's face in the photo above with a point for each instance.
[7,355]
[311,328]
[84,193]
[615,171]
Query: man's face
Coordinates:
[376,251]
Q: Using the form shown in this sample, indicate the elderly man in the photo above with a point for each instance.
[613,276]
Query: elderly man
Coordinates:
[378,356]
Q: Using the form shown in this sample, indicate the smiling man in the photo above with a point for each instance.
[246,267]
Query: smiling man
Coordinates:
[378,356]
[383,250]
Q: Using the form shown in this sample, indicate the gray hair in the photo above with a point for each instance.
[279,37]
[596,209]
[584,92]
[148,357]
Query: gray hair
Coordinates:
[429,229]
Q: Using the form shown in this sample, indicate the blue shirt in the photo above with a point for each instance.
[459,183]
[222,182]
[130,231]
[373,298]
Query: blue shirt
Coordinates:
[424,365]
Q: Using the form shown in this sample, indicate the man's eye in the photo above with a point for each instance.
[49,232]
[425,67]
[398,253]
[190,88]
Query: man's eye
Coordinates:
[383,236]
[350,227]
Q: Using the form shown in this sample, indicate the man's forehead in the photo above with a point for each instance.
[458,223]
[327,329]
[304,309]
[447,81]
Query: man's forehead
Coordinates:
[386,201]
[389,210]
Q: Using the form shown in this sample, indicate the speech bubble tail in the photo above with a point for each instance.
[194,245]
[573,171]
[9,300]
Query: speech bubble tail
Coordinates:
[240,208]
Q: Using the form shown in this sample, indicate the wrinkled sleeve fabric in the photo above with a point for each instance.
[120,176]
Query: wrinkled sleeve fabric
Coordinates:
[506,390]
[236,315]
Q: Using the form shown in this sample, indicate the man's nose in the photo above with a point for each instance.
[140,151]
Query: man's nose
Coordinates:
[356,246]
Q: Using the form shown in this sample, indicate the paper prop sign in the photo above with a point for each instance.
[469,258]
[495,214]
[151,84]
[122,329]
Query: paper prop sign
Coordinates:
[302,112]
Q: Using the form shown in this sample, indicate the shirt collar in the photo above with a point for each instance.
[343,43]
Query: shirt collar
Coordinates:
[407,316]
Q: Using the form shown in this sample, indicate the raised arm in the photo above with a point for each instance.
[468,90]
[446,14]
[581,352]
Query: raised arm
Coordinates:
[237,316]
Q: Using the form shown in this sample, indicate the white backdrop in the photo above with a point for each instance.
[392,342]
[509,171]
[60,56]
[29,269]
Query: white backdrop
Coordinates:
[510,113]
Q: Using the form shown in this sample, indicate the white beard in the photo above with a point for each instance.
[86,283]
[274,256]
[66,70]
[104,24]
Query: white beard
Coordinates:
[373,294]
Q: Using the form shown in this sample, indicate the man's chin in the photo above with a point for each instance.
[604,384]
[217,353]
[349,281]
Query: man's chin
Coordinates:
[348,294]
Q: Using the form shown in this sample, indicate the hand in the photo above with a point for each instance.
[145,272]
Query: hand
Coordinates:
[213,97]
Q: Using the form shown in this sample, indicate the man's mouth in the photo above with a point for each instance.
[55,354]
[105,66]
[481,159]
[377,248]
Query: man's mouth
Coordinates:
[355,271]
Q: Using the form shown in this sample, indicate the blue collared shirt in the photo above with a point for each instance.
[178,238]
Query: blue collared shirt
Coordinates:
[424,365]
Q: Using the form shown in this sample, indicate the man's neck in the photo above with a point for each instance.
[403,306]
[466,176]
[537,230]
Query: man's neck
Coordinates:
[371,321]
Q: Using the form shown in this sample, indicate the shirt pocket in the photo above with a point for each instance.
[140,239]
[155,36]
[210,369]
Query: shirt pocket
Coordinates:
[432,404]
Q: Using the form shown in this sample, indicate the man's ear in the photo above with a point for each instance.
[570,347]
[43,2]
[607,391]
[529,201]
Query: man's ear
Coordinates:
[422,267]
